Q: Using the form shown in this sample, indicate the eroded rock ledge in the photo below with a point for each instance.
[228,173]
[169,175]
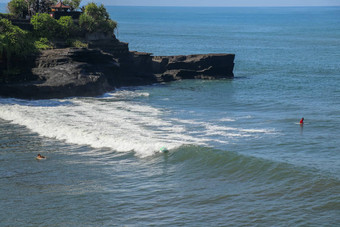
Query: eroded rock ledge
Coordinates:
[106,65]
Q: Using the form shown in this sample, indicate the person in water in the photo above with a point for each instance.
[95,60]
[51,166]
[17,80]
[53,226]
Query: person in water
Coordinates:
[39,156]
[301,121]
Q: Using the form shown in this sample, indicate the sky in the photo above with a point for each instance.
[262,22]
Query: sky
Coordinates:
[214,2]
[221,2]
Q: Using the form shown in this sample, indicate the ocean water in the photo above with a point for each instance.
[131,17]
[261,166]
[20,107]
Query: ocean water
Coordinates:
[237,154]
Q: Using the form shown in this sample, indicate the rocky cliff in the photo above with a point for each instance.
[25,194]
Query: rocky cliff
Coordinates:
[201,66]
[108,64]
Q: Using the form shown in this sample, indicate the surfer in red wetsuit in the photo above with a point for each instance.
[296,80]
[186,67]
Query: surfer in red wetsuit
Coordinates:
[301,121]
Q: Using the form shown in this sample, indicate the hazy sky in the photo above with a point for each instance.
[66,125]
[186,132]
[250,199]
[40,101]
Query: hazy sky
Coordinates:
[222,2]
[215,2]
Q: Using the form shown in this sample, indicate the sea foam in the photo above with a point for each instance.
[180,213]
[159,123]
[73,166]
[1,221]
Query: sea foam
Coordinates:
[115,121]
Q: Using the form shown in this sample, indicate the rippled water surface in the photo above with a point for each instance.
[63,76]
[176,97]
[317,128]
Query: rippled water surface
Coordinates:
[237,155]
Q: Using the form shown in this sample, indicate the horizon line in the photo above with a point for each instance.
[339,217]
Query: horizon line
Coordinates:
[212,6]
[250,6]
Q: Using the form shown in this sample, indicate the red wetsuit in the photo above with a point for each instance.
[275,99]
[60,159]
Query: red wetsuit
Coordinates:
[301,121]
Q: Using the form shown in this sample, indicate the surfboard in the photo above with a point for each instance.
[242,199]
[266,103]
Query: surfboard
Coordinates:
[40,158]
[163,150]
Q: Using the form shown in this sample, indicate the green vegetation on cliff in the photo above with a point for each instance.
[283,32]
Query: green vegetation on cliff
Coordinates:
[73,3]
[46,26]
[18,8]
[47,32]
[14,43]
[96,19]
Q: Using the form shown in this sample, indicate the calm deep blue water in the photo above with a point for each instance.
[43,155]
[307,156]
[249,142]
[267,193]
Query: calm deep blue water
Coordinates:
[238,156]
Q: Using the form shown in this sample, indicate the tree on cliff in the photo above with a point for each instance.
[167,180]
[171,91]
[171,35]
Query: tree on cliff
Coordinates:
[44,25]
[73,3]
[14,42]
[96,19]
[21,8]
[67,27]
[18,8]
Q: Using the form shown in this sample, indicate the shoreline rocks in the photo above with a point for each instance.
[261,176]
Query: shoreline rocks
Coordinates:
[199,66]
[107,65]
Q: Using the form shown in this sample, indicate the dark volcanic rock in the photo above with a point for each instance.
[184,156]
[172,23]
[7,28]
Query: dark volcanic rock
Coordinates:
[64,73]
[109,64]
[201,66]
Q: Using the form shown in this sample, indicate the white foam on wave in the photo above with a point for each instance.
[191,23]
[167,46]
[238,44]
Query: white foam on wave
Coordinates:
[120,125]
[117,122]
[124,94]
[227,119]
[213,129]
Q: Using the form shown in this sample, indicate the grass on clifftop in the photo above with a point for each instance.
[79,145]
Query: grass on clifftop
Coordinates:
[43,44]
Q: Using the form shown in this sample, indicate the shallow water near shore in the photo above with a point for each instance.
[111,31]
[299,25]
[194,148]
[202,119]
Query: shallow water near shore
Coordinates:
[237,153]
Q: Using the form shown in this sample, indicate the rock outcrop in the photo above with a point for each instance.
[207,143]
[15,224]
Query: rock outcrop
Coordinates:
[202,66]
[108,64]
[63,73]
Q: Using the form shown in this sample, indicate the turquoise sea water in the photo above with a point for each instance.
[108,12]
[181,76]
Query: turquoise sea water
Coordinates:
[238,156]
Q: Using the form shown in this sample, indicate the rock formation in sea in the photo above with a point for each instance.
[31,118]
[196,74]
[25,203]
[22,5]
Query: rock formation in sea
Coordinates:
[106,65]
